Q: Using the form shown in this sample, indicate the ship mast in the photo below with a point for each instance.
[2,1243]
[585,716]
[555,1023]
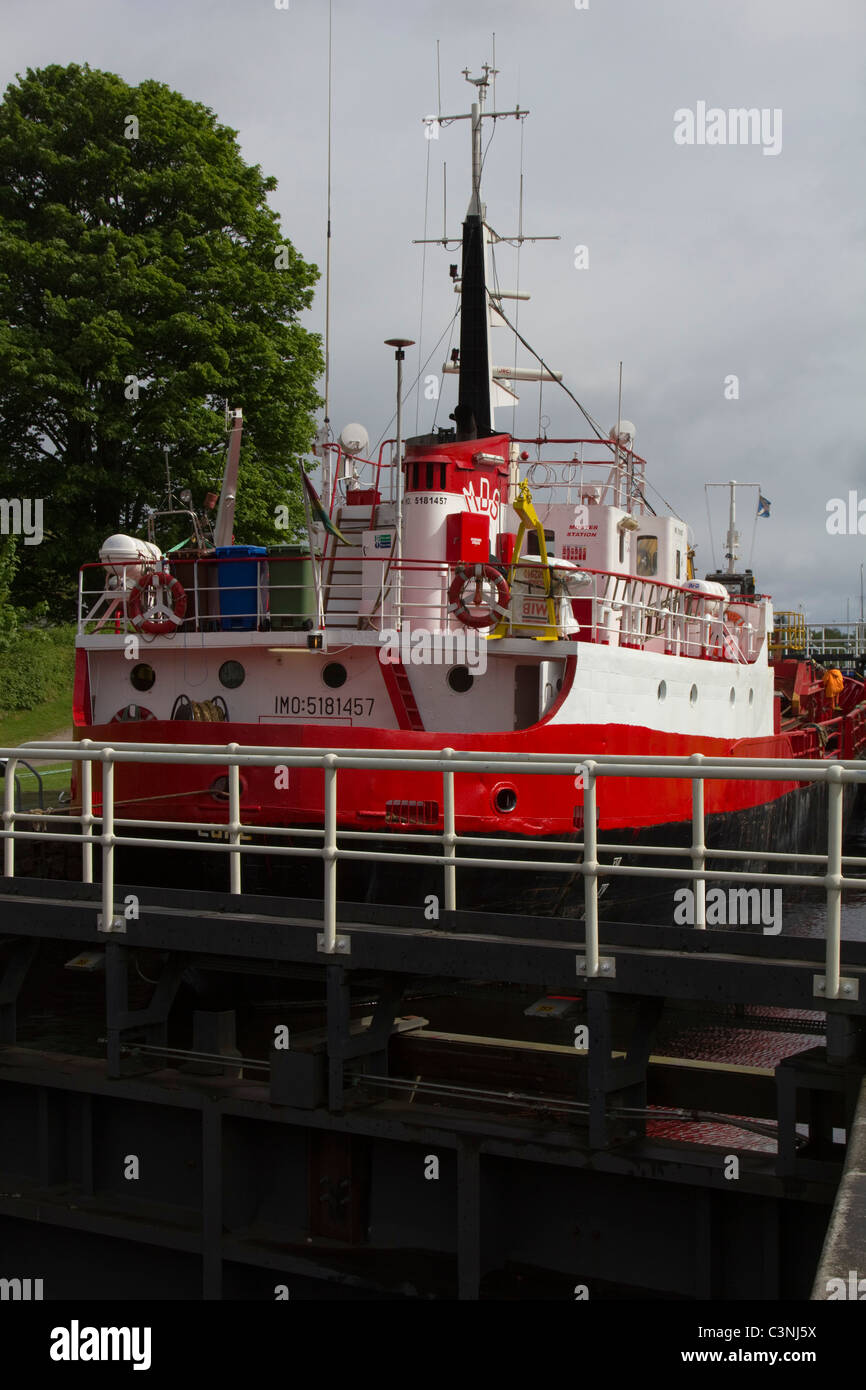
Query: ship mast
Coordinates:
[473,414]
[732,554]
[481,385]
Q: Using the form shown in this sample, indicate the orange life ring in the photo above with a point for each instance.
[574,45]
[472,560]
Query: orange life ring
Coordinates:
[162,616]
[466,574]
[732,616]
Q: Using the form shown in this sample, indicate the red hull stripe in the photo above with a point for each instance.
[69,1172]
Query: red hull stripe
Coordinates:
[545,806]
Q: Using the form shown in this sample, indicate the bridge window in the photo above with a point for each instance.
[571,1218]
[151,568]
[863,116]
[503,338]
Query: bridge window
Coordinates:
[532,542]
[679,564]
[647,556]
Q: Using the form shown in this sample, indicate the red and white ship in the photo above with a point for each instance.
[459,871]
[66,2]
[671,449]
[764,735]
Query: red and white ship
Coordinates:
[492,593]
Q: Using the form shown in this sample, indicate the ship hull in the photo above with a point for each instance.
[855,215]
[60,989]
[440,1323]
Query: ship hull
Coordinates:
[541,806]
[795,823]
[634,815]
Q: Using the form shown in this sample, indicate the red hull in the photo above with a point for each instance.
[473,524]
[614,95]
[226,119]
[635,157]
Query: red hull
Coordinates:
[544,805]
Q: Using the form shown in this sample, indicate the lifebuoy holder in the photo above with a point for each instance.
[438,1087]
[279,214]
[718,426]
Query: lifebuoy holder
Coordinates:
[477,574]
[165,612]
[132,714]
[725,646]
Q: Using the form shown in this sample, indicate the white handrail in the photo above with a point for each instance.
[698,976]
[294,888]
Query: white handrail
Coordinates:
[697,768]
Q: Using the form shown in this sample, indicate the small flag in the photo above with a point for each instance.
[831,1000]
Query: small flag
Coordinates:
[316,504]
[763,506]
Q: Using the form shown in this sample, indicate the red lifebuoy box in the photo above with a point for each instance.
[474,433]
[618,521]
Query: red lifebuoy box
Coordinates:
[467,538]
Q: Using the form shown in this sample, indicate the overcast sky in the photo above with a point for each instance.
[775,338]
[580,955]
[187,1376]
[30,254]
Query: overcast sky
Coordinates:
[705,261]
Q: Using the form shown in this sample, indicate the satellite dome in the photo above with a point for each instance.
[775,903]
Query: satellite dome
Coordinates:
[626,434]
[354,440]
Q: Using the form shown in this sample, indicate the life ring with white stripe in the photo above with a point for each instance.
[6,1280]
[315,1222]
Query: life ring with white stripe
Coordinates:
[732,616]
[477,574]
[132,714]
[166,611]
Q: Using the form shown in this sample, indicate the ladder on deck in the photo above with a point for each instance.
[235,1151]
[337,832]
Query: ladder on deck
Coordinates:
[402,696]
[344,576]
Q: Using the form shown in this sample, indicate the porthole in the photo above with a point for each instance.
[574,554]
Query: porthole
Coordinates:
[460,679]
[733,696]
[219,788]
[142,676]
[693,695]
[505,799]
[334,675]
[662,690]
[232,674]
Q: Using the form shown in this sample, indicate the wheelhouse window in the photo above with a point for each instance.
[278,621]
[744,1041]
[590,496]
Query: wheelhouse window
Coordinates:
[647,556]
[532,542]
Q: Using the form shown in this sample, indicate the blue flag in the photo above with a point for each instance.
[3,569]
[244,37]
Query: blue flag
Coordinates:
[763,506]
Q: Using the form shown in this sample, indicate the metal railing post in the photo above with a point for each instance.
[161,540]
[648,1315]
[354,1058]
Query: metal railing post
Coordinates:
[86,767]
[108,922]
[835,793]
[329,855]
[590,866]
[234,823]
[449,837]
[9,817]
[699,847]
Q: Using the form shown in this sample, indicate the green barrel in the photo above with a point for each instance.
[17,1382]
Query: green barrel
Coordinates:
[292,590]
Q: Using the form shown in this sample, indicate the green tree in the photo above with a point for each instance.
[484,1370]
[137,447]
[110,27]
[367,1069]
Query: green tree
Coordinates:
[144,281]
[8,611]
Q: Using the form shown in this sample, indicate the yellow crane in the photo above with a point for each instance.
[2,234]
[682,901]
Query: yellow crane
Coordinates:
[530,520]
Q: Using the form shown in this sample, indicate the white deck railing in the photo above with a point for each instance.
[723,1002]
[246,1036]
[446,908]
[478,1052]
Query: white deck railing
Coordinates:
[288,594]
[91,827]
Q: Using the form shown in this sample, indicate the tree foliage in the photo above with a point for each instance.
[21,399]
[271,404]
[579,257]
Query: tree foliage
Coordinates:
[139,291]
[8,612]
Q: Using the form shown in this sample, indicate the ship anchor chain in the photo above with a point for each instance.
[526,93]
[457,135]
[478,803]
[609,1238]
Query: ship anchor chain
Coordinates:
[157,604]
